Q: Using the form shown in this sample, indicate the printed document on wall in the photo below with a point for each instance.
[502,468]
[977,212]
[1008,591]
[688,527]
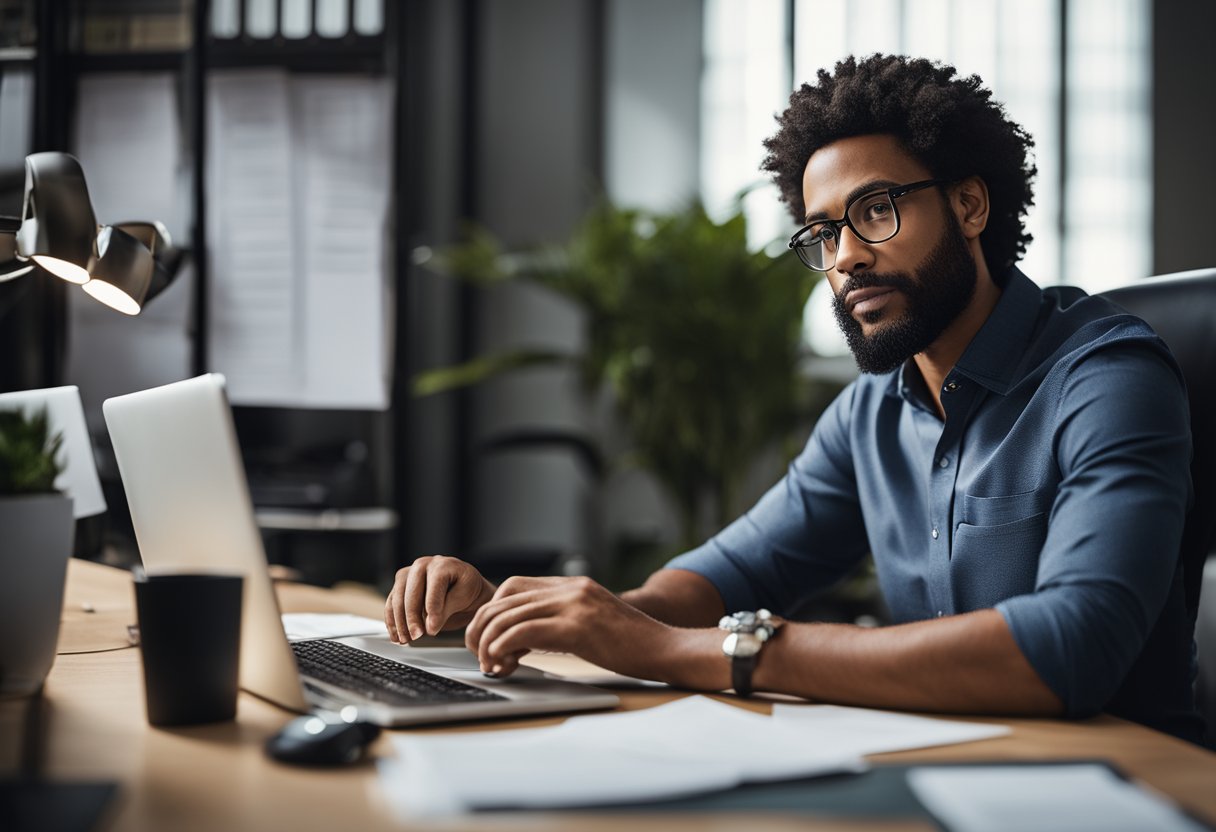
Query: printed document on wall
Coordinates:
[344,166]
[298,197]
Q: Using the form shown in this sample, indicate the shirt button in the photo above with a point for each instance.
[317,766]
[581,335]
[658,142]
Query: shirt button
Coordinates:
[944,462]
[934,532]
[939,613]
[951,386]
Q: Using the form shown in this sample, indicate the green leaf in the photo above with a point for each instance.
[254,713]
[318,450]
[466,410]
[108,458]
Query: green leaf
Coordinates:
[29,454]
[697,336]
[442,380]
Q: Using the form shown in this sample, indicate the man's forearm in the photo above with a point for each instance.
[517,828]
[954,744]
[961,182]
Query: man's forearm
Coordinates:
[679,598]
[964,664]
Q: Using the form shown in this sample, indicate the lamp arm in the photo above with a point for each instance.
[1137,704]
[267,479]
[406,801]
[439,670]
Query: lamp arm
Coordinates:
[11,266]
[12,291]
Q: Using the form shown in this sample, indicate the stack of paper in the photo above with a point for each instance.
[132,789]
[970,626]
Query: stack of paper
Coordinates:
[685,747]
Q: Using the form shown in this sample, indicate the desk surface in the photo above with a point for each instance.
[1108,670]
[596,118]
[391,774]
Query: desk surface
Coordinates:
[216,777]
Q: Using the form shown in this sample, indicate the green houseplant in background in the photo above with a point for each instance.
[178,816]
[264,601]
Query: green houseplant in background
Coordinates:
[36,529]
[697,336]
[29,455]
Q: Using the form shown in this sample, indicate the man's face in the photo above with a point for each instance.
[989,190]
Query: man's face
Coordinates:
[892,299]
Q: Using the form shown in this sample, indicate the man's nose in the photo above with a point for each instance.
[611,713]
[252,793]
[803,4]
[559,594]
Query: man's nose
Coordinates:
[852,253]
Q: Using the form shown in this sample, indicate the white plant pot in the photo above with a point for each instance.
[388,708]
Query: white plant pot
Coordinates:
[35,544]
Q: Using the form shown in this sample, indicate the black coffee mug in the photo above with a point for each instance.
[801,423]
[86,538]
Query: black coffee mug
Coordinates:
[190,640]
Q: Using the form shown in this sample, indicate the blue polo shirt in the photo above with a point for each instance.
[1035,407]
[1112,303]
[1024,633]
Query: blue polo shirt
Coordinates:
[1054,492]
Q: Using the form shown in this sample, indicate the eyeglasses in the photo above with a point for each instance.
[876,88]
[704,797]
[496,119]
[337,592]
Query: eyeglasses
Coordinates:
[872,217]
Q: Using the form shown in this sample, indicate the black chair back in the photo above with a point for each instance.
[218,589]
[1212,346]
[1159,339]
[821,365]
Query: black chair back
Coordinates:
[1181,307]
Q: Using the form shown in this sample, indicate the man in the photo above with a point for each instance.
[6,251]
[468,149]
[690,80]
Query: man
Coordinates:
[1015,459]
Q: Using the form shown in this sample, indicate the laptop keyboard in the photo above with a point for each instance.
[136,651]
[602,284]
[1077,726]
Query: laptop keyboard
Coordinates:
[380,679]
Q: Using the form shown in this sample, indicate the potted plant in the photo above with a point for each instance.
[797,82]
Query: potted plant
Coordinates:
[697,336]
[36,529]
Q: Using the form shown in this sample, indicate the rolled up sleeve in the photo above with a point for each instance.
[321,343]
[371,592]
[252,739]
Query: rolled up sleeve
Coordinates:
[1106,567]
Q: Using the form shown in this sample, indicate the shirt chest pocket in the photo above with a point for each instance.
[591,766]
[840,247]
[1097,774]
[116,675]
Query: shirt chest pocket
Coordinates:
[996,545]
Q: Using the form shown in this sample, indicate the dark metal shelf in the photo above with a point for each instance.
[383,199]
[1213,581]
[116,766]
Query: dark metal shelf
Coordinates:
[312,54]
[344,55]
[128,61]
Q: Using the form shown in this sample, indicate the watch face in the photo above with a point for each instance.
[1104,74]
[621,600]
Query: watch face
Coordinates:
[741,644]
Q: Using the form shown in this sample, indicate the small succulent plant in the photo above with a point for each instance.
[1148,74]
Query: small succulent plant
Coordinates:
[29,453]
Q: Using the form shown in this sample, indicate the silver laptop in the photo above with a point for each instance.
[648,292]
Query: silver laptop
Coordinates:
[181,467]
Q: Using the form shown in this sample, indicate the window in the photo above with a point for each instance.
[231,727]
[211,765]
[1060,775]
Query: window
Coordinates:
[746,81]
[1075,75]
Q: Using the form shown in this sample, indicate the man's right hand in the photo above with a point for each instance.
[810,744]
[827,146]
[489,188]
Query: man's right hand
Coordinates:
[433,594]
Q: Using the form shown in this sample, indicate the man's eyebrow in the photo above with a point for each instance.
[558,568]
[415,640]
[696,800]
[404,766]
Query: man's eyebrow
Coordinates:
[863,188]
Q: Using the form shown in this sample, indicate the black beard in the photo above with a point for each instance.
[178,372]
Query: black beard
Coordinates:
[943,287]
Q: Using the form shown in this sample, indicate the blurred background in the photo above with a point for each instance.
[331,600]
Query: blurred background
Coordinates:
[371,191]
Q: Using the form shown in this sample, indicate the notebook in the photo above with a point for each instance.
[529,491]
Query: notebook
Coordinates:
[181,468]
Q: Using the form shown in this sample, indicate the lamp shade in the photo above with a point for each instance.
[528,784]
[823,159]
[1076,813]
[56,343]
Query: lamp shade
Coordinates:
[58,228]
[121,271]
[166,258]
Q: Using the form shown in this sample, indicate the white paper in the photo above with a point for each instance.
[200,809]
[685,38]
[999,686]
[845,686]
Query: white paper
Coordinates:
[302,625]
[298,188]
[1045,798]
[343,171]
[253,293]
[684,747]
[863,731]
[128,141]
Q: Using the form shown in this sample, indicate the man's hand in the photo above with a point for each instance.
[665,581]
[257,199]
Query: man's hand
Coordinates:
[433,594]
[568,615]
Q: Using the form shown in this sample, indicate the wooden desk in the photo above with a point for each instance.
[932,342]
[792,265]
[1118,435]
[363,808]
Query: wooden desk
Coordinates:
[216,777]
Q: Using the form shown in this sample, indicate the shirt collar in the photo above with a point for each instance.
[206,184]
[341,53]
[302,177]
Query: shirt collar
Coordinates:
[995,353]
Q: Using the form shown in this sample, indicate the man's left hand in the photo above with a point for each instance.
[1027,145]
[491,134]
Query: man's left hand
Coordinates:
[566,615]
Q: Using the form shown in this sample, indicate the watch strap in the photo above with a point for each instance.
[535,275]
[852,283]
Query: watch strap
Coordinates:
[741,670]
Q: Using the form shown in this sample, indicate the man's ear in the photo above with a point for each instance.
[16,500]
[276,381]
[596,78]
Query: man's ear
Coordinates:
[969,201]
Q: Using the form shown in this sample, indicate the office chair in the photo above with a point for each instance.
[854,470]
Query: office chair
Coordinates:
[1181,307]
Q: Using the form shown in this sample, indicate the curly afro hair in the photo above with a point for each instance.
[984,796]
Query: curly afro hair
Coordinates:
[950,124]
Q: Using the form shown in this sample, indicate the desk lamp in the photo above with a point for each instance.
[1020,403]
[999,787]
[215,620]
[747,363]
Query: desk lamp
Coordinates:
[123,265]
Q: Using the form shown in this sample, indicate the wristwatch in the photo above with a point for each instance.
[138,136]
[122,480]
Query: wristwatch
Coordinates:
[748,631]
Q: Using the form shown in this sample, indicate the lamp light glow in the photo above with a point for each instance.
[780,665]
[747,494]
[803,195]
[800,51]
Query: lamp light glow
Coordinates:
[62,269]
[112,296]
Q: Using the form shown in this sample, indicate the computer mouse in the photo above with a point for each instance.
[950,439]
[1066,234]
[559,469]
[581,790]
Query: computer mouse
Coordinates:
[321,739]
